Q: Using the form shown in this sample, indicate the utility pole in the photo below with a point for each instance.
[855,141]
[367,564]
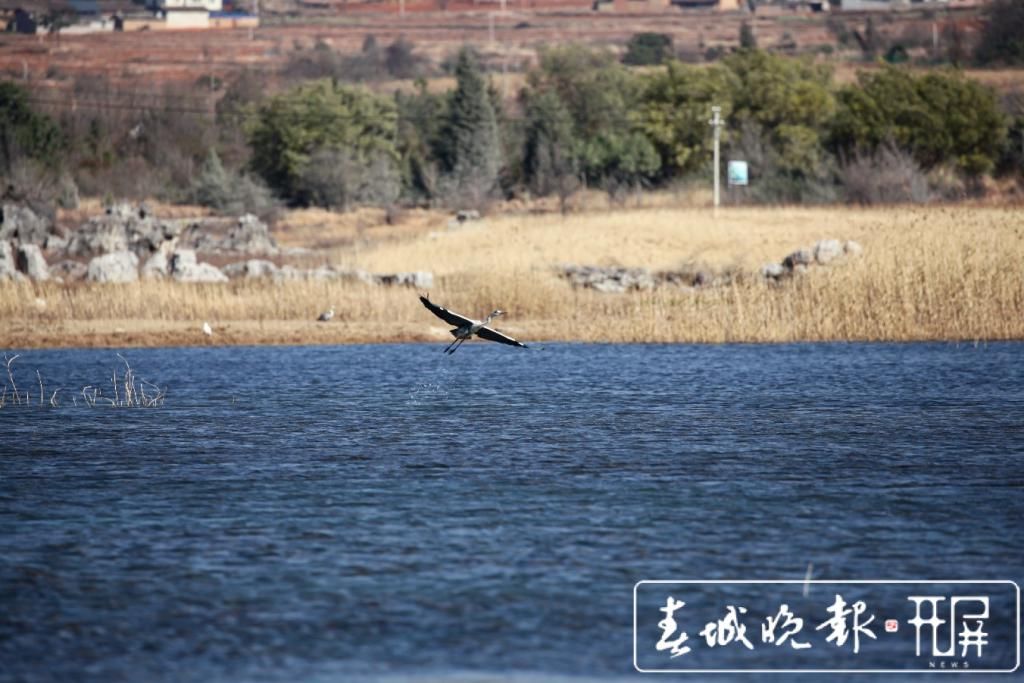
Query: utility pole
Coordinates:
[256,12]
[716,123]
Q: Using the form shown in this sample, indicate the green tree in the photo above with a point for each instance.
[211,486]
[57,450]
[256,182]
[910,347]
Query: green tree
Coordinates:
[421,117]
[644,49]
[549,158]
[1002,39]
[228,192]
[289,128]
[675,109]
[938,118]
[602,98]
[23,132]
[748,41]
[791,100]
[336,179]
[471,149]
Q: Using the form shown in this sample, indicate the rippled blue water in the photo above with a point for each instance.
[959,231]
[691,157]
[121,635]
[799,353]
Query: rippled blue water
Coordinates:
[386,511]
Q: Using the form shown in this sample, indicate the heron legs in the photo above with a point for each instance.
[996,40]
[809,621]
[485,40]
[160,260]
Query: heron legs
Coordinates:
[451,348]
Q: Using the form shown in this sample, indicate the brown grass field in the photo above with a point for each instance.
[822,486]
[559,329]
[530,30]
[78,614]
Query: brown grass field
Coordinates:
[937,273]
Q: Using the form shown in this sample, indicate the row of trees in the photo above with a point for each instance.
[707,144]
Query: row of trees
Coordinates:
[581,119]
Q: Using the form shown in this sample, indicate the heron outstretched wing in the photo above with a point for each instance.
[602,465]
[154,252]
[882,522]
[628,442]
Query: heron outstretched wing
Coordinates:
[444,314]
[495,336]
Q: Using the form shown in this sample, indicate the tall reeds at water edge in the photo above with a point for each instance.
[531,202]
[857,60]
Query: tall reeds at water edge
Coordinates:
[126,390]
[924,274]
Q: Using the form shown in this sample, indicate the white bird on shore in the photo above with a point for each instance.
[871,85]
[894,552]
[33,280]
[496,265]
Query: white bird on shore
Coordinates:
[465,327]
[326,315]
[207,330]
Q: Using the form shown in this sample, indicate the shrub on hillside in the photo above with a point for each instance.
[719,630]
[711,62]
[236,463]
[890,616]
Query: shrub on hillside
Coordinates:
[291,127]
[887,176]
[229,192]
[646,49]
[938,118]
[337,179]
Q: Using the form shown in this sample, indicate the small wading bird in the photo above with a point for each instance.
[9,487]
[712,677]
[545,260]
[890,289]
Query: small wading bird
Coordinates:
[326,315]
[207,330]
[466,327]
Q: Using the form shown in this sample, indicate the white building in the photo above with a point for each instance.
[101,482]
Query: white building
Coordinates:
[187,13]
[208,5]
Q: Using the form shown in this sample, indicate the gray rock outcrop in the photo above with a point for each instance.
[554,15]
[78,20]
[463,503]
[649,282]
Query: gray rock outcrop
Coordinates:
[68,271]
[822,253]
[156,267]
[252,269]
[419,279]
[22,225]
[247,235]
[250,235]
[99,235]
[772,271]
[800,257]
[126,228]
[8,271]
[610,280]
[29,260]
[826,251]
[185,268]
[120,266]
[615,280]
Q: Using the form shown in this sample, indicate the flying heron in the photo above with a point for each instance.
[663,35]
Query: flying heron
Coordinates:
[467,327]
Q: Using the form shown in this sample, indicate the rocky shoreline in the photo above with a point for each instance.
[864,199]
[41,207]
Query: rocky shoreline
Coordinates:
[617,280]
[128,243]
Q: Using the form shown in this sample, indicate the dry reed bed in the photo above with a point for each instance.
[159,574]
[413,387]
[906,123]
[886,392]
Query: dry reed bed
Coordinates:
[925,274]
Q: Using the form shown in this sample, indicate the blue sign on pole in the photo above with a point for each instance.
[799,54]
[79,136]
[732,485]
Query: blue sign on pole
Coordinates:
[737,173]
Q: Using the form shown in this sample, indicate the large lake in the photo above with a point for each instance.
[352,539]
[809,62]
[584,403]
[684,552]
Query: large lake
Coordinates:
[366,512]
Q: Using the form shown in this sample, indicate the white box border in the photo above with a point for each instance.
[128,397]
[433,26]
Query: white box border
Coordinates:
[1003,582]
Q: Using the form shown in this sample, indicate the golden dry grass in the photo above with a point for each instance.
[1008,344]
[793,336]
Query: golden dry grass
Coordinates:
[926,273]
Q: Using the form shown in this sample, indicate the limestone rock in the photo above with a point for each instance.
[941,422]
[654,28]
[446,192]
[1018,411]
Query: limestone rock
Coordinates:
[826,251]
[251,236]
[253,268]
[612,279]
[68,271]
[22,225]
[156,267]
[419,279]
[185,268]
[800,257]
[7,269]
[98,235]
[119,266]
[29,260]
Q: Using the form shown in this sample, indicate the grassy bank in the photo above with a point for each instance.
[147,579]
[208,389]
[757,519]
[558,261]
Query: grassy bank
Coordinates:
[925,274]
